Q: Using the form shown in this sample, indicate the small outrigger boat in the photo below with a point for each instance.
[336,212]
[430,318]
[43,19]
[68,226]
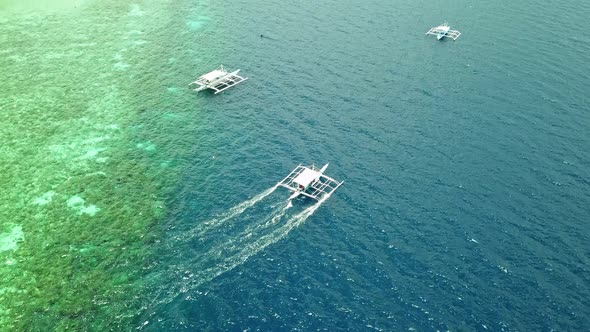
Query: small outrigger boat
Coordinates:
[217,80]
[444,30]
[310,182]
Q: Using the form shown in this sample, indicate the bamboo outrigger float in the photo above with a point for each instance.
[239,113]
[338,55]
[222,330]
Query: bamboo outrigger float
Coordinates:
[218,80]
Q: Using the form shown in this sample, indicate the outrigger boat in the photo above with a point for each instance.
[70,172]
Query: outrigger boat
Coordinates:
[218,80]
[444,30]
[310,182]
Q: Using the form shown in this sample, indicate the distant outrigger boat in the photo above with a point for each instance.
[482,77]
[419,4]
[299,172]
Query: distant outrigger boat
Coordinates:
[444,30]
[310,182]
[218,80]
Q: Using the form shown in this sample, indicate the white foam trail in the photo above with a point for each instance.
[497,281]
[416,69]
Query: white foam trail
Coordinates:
[235,242]
[275,217]
[233,212]
[228,255]
[246,250]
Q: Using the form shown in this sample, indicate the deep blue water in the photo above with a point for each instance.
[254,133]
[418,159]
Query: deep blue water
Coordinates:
[467,169]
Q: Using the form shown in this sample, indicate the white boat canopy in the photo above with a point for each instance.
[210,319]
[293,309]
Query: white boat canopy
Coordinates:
[306,177]
[217,80]
[444,30]
[311,182]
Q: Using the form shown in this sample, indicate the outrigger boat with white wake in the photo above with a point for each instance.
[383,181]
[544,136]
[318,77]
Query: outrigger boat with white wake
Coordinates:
[218,80]
[310,182]
[444,30]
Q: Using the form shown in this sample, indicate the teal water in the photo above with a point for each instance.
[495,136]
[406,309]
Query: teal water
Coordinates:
[466,199]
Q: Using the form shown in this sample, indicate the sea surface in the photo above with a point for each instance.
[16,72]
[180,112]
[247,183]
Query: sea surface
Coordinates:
[128,202]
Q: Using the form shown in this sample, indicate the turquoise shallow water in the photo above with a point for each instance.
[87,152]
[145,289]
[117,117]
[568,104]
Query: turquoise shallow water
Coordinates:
[466,199]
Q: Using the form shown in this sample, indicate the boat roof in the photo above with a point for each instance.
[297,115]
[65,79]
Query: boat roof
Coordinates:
[444,30]
[306,177]
[213,75]
[316,185]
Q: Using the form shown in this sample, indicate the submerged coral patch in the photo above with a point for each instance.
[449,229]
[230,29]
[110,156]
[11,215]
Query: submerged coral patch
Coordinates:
[95,139]
[77,204]
[173,89]
[10,239]
[135,10]
[90,210]
[92,153]
[147,146]
[121,65]
[45,198]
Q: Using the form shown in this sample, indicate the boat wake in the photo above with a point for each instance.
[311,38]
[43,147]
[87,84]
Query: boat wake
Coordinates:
[221,244]
[233,213]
